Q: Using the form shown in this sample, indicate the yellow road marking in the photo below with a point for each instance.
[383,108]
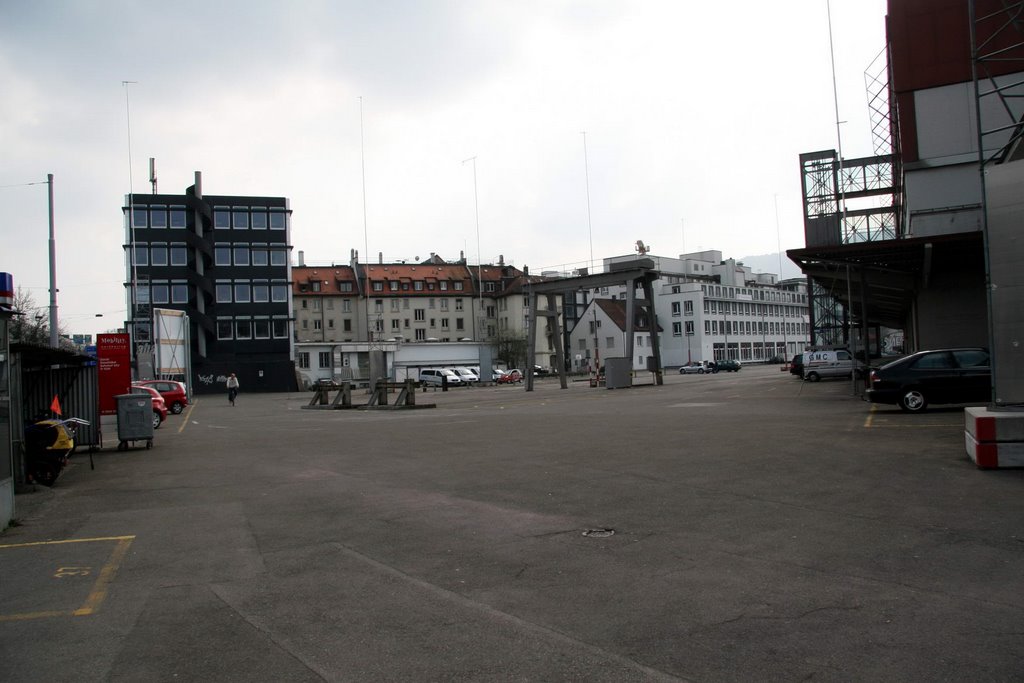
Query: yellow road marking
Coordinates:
[870,417]
[185,416]
[99,589]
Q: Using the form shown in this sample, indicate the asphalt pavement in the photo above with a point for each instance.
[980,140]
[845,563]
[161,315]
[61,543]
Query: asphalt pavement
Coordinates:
[730,527]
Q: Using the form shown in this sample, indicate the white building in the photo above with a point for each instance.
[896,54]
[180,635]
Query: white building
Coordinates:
[600,334]
[709,308]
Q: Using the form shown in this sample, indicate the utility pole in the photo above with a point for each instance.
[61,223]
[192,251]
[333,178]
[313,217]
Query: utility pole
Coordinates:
[53,269]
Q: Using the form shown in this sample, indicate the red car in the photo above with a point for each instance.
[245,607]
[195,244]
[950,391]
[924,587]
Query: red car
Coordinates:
[173,392]
[159,407]
[510,377]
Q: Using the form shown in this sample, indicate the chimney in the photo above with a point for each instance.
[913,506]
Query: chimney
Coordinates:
[380,257]
[199,185]
[462,256]
[526,271]
[501,260]
[302,259]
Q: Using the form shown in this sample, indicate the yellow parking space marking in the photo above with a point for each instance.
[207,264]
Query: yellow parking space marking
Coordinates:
[186,415]
[98,591]
[869,422]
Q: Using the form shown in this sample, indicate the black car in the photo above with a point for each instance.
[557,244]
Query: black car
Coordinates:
[727,365]
[796,366]
[933,377]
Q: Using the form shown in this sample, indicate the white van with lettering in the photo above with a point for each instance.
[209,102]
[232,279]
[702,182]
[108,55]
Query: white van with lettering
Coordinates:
[818,364]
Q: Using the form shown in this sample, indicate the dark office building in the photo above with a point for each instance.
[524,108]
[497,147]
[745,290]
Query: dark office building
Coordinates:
[224,261]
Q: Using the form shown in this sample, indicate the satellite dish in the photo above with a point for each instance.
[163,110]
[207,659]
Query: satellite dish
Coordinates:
[641,248]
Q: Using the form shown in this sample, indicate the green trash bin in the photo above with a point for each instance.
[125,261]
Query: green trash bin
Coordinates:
[134,420]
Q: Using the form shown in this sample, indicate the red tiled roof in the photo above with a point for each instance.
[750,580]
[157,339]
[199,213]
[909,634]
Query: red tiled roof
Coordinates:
[328,276]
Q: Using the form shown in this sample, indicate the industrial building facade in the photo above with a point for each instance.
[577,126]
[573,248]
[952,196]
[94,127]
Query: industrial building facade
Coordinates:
[224,261]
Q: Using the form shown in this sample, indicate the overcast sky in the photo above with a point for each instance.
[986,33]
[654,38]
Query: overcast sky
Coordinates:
[695,114]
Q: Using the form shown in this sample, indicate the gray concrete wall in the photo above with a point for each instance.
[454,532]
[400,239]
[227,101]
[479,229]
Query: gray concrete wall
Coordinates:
[952,310]
[1006,253]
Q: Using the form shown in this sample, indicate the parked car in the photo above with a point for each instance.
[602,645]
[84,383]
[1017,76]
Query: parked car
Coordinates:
[540,371]
[693,368]
[796,366]
[173,393]
[437,377]
[727,365]
[466,375]
[933,377]
[159,406]
[511,377]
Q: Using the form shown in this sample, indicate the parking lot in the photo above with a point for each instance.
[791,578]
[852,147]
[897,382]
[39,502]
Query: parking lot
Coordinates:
[736,526]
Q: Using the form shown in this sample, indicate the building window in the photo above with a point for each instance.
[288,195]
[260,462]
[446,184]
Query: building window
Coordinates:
[141,255]
[688,307]
[261,329]
[221,219]
[179,293]
[325,359]
[158,254]
[444,304]
[240,220]
[242,293]
[675,308]
[346,325]
[260,257]
[346,305]
[677,329]
[259,220]
[279,293]
[689,328]
[420,315]
[278,257]
[459,325]
[158,218]
[160,293]
[280,329]
[241,256]
[609,342]
[444,323]
[243,329]
[443,285]
[457,285]
[317,325]
[421,335]
[179,255]
[224,329]
[177,219]
[141,218]
[418,286]
[396,324]
[344,286]
[260,293]
[277,220]
[222,256]
[458,304]
[378,286]
[304,360]
[396,305]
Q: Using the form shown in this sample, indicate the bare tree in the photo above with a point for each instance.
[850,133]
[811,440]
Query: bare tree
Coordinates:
[31,323]
[511,348]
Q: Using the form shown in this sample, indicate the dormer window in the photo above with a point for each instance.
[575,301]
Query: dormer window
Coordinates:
[458,286]
[316,286]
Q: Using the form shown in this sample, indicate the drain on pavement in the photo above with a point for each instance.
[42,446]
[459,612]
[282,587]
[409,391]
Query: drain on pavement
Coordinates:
[599,533]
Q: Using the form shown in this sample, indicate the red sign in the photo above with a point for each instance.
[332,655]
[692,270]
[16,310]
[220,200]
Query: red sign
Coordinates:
[114,358]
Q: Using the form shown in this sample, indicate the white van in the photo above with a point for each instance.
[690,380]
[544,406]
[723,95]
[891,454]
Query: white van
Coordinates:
[437,376]
[818,364]
[468,375]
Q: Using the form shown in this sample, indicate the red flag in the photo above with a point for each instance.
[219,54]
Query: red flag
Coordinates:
[55,406]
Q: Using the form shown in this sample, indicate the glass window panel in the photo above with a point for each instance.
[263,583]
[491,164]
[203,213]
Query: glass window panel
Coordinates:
[142,294]
[222,219]
[158,218]
[225,329]
[259,220]
[223,293]
[179,294]
[280,329]
[278,257]
[240,220]
[141,254]
[158,253]
[261,293]
[141,218]
[241,294]
[277,221]
[161,294]
[241,256]
[261,329]
[179,255]
[222,256]
[259,257]
[243,329]
[177,218]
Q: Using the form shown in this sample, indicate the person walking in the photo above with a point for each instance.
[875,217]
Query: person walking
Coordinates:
[232,388]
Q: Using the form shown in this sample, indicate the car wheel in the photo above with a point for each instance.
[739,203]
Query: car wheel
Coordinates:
[913,401]
[176,408]
[812,377]
[156,420]
[700,371]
